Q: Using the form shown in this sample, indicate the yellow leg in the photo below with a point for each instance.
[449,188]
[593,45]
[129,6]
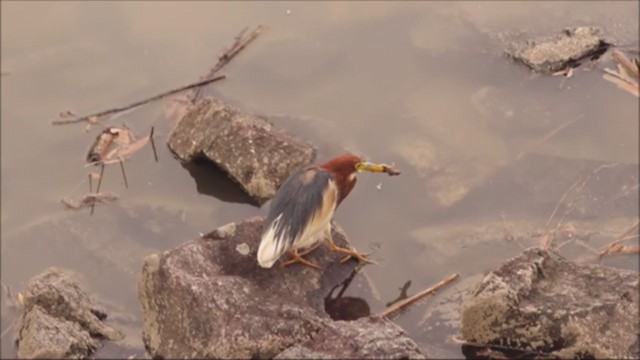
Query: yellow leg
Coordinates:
[349,252]
[297,258]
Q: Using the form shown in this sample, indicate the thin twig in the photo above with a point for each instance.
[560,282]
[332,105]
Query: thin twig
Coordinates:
[124,175]
[102,114]
[410,300]
[153,145]
[9,327]
[90,183]
[98,186]
[549,135]
[240,43]
[579,185]
[609,248]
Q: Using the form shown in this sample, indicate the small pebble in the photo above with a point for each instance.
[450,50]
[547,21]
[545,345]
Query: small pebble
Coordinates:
[379,186]
[288,12]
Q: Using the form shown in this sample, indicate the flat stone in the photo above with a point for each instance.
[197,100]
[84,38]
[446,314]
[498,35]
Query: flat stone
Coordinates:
[206,299]
[554,53]
[540,303]
[254,153]
[60,319]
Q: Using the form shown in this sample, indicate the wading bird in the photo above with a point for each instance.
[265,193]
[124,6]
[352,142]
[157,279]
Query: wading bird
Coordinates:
[300,213]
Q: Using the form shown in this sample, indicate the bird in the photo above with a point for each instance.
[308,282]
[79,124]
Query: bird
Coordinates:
[300,213]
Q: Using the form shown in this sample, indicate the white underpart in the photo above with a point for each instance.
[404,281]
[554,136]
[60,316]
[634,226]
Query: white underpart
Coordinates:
[269,253]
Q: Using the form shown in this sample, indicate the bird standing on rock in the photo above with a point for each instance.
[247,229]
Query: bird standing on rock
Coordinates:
[300,213]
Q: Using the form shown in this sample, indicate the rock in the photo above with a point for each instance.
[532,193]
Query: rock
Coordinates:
[539,302]
[60,320]
[247,147]
[554,53]
[366,338]
[208,298]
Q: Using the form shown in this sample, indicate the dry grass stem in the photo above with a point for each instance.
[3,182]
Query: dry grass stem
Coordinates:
[547,239]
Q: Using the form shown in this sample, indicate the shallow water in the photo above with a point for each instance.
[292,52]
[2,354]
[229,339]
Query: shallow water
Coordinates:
[421,84]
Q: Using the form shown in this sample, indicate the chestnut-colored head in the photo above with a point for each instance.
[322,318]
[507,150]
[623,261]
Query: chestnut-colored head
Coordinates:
[344,169]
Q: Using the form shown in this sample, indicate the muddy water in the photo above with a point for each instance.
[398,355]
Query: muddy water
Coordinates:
[424,85]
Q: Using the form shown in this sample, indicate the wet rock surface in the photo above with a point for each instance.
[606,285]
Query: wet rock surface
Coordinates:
[540,303]
[365,338]
[247,147]
[556,52]
[60,319]
[208,298]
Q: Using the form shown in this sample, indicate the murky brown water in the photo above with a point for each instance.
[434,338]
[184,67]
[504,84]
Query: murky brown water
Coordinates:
[424,85]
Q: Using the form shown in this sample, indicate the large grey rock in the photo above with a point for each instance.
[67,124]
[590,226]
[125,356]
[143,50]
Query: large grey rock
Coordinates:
[60,320]
[365,338]
[541,303]
[553,53]
[208,298]
[247,147]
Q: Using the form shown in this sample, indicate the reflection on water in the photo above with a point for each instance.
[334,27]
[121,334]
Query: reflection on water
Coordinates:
[421,84]
[211,180]
[348,308]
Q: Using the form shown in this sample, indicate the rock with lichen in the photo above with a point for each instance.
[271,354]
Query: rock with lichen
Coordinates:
[253,152]
[60,319]
[554,53]
[543,305]
[209,298]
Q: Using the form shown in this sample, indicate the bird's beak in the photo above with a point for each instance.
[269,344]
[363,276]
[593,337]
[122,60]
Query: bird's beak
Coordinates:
[370,167]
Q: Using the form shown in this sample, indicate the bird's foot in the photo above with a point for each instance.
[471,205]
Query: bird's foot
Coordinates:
[352,253]
[297,258]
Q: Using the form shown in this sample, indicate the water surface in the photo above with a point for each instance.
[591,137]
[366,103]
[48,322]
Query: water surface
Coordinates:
[421,84]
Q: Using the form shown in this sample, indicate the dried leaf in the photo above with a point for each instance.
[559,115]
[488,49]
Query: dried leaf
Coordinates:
[126,151]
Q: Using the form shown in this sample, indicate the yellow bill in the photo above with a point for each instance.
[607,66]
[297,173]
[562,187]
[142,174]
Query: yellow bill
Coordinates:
[376,168]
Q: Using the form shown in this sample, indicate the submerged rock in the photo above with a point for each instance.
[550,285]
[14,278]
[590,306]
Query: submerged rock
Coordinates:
[554,53]
[208,298]
[247,147]
[60,320]
[540,303]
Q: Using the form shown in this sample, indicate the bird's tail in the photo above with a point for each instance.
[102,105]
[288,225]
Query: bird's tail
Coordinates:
[270,248]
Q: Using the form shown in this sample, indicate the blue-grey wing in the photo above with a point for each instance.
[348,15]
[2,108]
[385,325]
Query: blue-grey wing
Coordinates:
[301,199]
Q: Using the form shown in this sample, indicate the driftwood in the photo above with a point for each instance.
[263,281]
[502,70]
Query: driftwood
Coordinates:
[94,118]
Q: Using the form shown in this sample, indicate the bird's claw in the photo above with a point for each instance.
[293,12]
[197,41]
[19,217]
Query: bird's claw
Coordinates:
[362,258]
[297,258]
